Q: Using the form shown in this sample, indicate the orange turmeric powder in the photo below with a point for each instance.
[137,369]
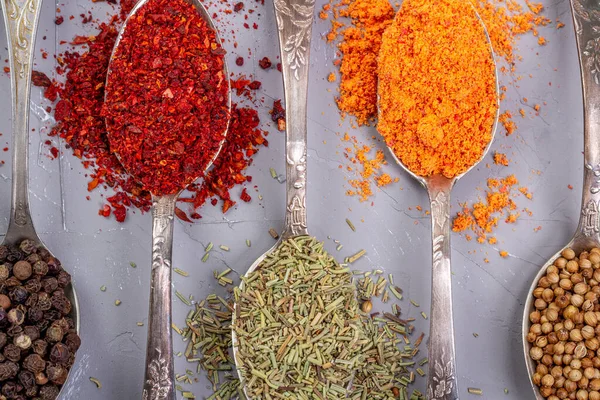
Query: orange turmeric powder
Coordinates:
[437,87]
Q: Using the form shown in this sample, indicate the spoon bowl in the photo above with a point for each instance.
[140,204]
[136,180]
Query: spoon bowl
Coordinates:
[159,376]
[441,380]
[587,236]
[21,44]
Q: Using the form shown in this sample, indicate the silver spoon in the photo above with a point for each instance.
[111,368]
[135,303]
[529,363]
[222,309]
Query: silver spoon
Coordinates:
[586,17]
[21,20]
[441,380]
[294,21]
[158,381]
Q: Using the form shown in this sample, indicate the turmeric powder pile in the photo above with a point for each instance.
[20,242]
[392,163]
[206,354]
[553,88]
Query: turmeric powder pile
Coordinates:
[437,87]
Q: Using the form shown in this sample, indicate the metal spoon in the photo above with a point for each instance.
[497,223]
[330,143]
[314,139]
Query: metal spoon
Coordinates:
[441,380]
[294,21]
[158,381]
[21,21]
[586,17]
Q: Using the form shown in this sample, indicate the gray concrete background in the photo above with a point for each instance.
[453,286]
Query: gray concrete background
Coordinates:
[488,297]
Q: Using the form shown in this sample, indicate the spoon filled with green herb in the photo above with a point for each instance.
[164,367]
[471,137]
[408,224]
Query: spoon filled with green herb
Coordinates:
[296,321]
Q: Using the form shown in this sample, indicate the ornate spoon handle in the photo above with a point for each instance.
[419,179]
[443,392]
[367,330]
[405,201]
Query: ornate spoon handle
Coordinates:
[158,383]
[441,383]
[587,19]
[21,21]
[294,20]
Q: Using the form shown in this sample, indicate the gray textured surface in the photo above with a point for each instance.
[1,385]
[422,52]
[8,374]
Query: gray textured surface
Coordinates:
[488,298]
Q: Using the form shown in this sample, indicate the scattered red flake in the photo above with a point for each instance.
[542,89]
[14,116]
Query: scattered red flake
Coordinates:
[5,149]
[54,152]
[40,79]
[6,69]
[239,61]
[59,20]
[238,7]
[265,63]
[279,67]
[245,196]
[182,215]
[51,92]
[570,187]
[278,115]
[104,211]
[255,85]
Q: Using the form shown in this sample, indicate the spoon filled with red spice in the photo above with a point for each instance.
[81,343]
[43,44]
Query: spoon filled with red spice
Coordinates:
[167,109]
[438,111]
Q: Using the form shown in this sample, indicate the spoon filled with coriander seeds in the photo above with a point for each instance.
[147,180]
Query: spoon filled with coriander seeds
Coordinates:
[438,111]
[39,311]
[296,326]
[561,319]
[167,110]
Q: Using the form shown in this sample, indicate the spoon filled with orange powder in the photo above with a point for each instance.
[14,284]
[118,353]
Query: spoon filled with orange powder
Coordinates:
[438,109]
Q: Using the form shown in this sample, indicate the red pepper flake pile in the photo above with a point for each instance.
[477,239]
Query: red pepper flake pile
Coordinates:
[483,216]
[166,106]
[81,125]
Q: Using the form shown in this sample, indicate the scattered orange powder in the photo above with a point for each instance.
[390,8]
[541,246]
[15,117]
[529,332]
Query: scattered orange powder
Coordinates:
[437,87]
[331,77]
[522,112]
[542,41]
[570,187]
[503,253]
[509,125]
[526,192]
[323,15]
[559,24]
[484,215]
[500,159]
[492,240]
[536,107]
[359,48]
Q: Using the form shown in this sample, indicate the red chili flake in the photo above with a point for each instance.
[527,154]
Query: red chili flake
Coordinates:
[81,125]
[104,211]
[245,196]
[5,149]
[255,85]
[238,6]
[265,63]
[82,40]
[59,20]
[278,115]
[51,92]
[239,61]
[40,79]
[54,152]
[167,119]
[182,215]
[255,25]
[7,70]
[120,213]
[279,67]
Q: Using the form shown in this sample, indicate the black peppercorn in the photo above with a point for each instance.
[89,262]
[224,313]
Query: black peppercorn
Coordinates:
[73,341]
[56,373]
[28,246]
[16,316]
[14,330]
[18,295]
[34,363]
[12,282]
[22,270]
[5,302]
[40,268]
[41,378]
[12,352]
[10,389]
[59,353]
[44,303]
[3,339]
[3,253]
[14,255]
[54,333]
[33,258]
[22,341]
[49,284]
[4,271]
[27,379]
[64,278]
[54,266]
[4,322]
[33,332]
[35,315]
[30,393]
[40,347]
[33,285]
[31,300]
[61,303]
[49,392]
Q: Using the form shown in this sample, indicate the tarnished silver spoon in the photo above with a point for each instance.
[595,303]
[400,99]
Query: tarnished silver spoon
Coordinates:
[441,380]
[586,17]
[21,21]
[158,381]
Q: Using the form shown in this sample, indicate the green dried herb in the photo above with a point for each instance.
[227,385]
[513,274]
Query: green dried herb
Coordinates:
[298,325]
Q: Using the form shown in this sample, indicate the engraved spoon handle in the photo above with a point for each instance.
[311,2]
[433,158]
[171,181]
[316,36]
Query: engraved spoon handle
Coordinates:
[295,20]
[441,383]
[586,20]
[21,21]
[158,382]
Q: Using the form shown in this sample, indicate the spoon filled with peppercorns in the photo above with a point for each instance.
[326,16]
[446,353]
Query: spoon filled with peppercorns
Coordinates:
[39,313]
[561,320]
[167,109]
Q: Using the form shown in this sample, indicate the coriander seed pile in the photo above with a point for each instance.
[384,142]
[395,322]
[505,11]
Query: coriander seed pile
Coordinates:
[565,332]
